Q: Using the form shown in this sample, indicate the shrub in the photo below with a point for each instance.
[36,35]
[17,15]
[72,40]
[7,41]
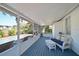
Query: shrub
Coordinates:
[12,32]
[47,30]
[1,34]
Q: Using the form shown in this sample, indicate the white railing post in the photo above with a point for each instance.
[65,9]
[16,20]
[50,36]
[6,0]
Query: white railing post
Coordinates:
[18,33]
[18,27]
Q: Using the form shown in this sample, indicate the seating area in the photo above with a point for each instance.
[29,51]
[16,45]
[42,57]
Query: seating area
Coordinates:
[40,49]
[63,43]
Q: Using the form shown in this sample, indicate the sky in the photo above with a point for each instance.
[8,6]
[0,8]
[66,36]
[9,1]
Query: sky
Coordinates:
[7,19]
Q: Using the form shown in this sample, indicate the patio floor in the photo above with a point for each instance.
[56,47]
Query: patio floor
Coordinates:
[39,49]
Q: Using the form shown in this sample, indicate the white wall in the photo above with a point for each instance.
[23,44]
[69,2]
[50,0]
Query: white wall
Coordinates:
[74,29]
[74,17]
[58,28]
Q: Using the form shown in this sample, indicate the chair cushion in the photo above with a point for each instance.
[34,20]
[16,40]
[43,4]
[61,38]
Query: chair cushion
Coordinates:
[58,41]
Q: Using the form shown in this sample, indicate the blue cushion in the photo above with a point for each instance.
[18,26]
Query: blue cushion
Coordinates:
[57,41]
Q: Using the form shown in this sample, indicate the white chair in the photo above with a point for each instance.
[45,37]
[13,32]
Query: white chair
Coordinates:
[67,42]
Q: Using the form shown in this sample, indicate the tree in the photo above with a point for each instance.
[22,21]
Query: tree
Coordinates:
[1,33]
[47,29]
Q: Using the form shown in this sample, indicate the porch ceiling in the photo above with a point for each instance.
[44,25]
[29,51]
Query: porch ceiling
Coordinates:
[43,13]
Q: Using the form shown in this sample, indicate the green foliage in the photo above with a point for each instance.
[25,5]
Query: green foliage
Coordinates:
[26,29]
[1,34]
[12,32]
[48,30]
[30,31]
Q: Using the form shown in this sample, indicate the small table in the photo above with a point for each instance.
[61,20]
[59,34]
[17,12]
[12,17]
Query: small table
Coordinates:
[50,44]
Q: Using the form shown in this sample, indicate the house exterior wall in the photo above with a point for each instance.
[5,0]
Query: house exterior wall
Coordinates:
[75,30]
[60,27]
